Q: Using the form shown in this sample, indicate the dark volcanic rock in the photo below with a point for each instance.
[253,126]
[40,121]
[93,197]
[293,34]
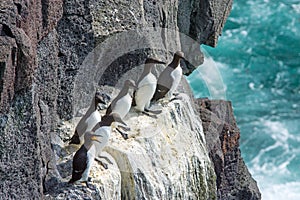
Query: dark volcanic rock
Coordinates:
[7,70]
[24,24]
[20,166]
[25,122]
[222,137]
[204,20]
[75,41]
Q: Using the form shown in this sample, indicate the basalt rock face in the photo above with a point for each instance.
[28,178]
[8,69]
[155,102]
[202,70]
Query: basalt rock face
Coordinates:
[23,24]
[222,135]
[25,147]
[44,45]
[194,16]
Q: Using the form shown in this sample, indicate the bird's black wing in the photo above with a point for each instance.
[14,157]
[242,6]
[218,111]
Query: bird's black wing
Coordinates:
[160,92]
[75,138]
[79,164]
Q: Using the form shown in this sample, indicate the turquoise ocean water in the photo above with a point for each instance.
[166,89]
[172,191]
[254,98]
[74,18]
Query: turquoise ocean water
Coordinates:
[258,58]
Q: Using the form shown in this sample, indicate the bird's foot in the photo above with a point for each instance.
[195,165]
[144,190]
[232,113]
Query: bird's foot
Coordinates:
[149,115]
[163,101]
[124,128]
[176,98]
[124,135]
[101,163]
[104,165]
[87,183]
[104,157]
[155,112]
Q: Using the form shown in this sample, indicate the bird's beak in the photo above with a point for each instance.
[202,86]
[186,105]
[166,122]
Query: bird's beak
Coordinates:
[161,62]
[95,138]
[134,87]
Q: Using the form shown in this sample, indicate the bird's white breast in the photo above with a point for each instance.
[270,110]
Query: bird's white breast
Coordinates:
[104,134]
[91,154]
[123,105]
[176,75]
[145,91]
[150,79]
[92,120]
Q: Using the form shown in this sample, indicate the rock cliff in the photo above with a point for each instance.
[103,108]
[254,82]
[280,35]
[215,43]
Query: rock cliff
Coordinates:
[222,136]
[48,50]
[164,158]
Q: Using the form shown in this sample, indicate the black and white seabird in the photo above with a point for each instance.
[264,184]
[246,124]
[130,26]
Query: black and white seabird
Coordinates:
[94,142]
[170,77]
[84,158]
[88,121]
[103,129]
[122,103]
[146,86]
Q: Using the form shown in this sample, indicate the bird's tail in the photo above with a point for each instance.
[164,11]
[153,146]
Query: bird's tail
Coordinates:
[72,180]
[75,138]
[75,177]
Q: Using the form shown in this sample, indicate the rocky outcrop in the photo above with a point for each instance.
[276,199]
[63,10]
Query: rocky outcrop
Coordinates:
[164,158]
[47,46]
[222,135]
[194,15]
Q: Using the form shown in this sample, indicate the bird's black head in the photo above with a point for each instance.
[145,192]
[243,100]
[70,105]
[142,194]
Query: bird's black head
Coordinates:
[176,59]
[98,99]
[130,84]
[179,54]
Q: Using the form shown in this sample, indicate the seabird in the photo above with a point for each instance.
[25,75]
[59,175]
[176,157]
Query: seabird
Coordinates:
[88,121]
[146,86]
[122,103]
[170,77]
[94,142]
[84,158]
[103,130]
